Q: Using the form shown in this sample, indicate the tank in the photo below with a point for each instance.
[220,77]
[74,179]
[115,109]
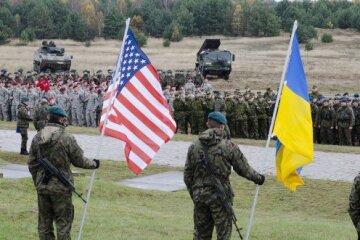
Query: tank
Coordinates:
[212,61]
[50,57]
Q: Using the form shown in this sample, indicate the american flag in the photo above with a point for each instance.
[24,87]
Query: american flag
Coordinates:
[139,114]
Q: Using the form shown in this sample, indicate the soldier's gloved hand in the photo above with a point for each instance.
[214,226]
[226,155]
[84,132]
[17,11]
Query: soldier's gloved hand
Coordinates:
[261,180]
[97,161]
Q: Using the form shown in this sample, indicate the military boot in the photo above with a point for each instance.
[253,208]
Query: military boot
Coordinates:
[23,151]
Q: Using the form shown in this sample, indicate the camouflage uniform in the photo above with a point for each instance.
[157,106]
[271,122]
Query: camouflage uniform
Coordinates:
[77,107]
[197,115]
[356,129]
[223,155]
[241,109]
[230,115]
[54,199]
[252,121]
[326,124]
[23,120]
[262,119]
[344,120]
[91,105]
[209,106]
[40,115]
[4,99]
[219,104]
[15,97]
[354,204]
[315,120]
[179,113]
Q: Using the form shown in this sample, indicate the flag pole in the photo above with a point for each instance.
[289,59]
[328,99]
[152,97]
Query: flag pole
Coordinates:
[112,95]
[272,126]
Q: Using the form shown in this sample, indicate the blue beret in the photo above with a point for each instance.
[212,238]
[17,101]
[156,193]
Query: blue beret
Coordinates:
[56,110]
[218,117]
[356,95]
[24,99]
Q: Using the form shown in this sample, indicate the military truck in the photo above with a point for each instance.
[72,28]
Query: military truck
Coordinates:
[212,61]
[50,57]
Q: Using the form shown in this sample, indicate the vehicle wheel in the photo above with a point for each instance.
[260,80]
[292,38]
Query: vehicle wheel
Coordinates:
[204,74]
[226,76]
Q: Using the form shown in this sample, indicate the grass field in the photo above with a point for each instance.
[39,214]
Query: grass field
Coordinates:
[317,211]
[259,61]
[191,138]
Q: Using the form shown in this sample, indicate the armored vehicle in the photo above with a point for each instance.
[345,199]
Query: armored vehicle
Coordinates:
[49,57]
[212,61]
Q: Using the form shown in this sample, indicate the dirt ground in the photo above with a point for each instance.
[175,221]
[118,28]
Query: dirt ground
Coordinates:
[334,67]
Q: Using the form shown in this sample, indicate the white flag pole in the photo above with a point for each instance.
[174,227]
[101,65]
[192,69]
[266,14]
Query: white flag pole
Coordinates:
[110,101]
[272,126]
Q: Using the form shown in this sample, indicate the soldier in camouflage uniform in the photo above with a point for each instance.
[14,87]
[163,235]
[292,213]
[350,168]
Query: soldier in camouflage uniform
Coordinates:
[356,129]
[208,166]
[315,118]
[197,114]
[252,119]
[40,114]
[55,199]
[345,121]
[209,106]
[15,97]
[179,113]
[188,101]
[262,117]
[91,105]
[327,123]
[62,99]
[4,99]
[230,113]
[354,204]
[23,120]
[77,104]
[219,103]
[241,109]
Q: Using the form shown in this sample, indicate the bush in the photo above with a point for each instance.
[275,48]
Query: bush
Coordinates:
[309,46]
[306,33]
[166,42]
[140,38]
[87,43]
[326,38]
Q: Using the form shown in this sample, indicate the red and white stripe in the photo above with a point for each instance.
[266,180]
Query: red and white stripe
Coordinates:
[139,116]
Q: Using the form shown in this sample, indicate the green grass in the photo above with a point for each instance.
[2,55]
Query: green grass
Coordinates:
[191,138]
[315,211]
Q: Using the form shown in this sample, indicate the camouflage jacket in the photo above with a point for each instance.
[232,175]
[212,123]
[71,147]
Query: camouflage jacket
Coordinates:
[23,117]
[354,198]
[62,150]
[327,117]
[40,116]
[223,155]
[345,117]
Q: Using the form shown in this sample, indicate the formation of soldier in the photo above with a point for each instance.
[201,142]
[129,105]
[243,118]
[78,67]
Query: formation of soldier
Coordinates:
[190,97]
[81,97]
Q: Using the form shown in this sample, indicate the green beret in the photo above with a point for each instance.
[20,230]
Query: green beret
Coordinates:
[24,99]
[56,110]
[218,117]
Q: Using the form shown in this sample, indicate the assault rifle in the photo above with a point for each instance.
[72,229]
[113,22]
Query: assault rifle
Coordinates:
[51,170]
[222,194]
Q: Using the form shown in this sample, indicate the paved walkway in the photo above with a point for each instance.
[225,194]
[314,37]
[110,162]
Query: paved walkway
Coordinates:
[334,166]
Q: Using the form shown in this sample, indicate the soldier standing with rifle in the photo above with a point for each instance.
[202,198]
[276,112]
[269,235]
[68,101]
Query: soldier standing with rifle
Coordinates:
[206,175]
[51,154]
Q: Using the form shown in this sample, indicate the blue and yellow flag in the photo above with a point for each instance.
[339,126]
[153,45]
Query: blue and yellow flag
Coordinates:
[293,124]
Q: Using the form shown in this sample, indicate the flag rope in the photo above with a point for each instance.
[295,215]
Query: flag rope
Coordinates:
[97,153]
[272,126]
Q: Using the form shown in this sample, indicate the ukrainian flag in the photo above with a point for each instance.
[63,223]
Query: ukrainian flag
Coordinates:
[293,124]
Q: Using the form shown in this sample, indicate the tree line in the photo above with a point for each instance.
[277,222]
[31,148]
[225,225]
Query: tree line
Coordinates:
[83,20]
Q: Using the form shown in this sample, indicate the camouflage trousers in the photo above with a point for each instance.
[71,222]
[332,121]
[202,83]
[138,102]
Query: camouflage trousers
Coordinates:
[356,135]
[14,112]
[344,136]
[180,121]
[262,128]
[77,117]
[253,128]
[210,214]
[242,128]
[90,118]
[197,124]
[355,218]
[24,137]
[56,208]
[3,112]
[326,135]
